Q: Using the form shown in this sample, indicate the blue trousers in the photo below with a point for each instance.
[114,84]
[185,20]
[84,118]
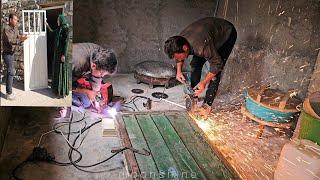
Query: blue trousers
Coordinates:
[80,99]
[8,60]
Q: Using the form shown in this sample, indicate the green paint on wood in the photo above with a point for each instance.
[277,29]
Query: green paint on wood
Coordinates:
[309,127]
[147,166]
[168,169]
[188,166]
[209,163]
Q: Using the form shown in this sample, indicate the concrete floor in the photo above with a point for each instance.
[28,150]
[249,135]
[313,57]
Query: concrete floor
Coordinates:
[123,83]
[24,132]
[28,123]
[226,131]
[42,97]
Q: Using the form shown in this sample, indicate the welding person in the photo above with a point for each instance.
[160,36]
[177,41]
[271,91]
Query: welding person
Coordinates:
[11,39]
[208,39]
[95,63]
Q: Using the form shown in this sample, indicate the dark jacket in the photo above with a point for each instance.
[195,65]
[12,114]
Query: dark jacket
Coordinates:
[206,36]
[10,37]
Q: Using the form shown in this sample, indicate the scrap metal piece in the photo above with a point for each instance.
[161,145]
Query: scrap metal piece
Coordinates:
[155,69]
[188,103]
[159,95]
[137,91]
[155,73]
[191,103]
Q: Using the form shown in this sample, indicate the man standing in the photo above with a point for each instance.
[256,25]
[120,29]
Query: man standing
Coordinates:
[93,62]
[11,38]
[208,39]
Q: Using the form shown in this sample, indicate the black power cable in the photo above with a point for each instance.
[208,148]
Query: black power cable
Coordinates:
[40,154]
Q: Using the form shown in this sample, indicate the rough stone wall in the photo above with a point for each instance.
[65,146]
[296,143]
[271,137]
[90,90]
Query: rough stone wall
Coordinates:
[136,29]
[6,9]
[278,42]
[17,6]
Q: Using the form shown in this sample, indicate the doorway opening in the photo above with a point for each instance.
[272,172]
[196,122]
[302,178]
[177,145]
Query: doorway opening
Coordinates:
[52,16]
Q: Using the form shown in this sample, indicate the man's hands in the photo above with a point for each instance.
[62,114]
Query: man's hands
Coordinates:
[202,85]
[63,58]
[199,88]
[91,95]
[180,77]
[22,38]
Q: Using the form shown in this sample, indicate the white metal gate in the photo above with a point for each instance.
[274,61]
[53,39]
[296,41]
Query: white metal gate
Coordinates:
[35,49]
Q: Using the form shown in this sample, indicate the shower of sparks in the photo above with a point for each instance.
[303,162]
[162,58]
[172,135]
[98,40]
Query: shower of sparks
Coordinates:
[236,140]
[295,93]
[281,13]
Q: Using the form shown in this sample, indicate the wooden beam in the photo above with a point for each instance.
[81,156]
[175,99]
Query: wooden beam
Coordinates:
[132,164]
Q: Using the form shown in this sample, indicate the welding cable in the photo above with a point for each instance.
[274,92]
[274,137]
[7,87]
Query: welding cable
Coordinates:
[134,103]
[80,167]
[129,107]
[19,166]
[58,131]
[54,128]
[134,99]
[46,157]
[69,144]
[71,149]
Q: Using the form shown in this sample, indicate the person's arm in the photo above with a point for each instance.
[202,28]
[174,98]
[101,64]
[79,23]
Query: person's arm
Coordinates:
[179,75]
[216,65]
[90,93]
[10,37]
[49,28]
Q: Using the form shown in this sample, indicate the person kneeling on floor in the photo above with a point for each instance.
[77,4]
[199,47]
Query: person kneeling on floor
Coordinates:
[91,64]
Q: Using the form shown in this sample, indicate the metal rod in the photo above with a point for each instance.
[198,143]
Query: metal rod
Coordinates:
[176,104]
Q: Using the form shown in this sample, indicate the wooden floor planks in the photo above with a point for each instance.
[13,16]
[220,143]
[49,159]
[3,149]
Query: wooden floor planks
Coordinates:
[178,152]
